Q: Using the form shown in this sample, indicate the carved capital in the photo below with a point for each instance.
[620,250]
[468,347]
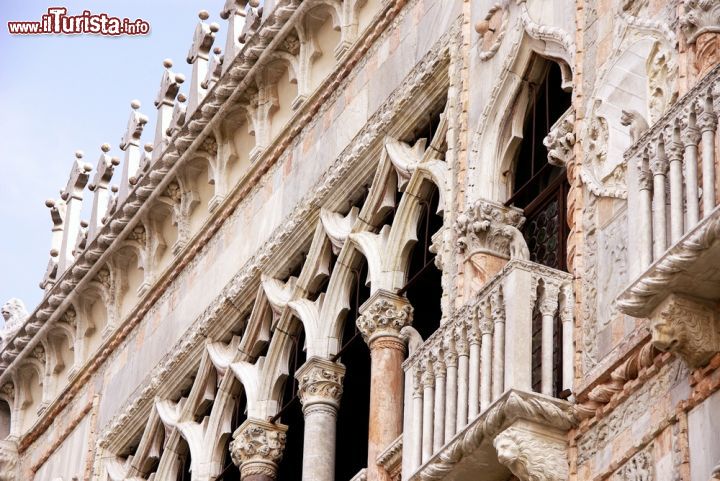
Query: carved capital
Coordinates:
[701,16]
[687,328]
[320,382]
[257,447]
[561,139]
[8,461]
[533,452]
[384,314]
[488,227]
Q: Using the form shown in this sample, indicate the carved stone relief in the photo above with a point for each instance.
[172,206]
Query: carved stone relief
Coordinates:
[531,454]
[639,468]
[661,72]
[612,275]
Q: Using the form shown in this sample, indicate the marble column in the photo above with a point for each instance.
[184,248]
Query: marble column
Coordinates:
[319,389]
[257,449]
[380,321]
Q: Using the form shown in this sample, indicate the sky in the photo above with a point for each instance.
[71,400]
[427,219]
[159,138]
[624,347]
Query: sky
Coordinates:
[59,94]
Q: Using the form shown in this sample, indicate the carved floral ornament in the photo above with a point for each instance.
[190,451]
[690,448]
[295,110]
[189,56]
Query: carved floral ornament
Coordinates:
[491,228]
[561,139]
[492,30]
[320,381]
[384,314]
[258,447]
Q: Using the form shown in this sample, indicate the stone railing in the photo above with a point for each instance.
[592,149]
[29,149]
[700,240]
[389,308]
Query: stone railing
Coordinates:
[469,362]
[675,166]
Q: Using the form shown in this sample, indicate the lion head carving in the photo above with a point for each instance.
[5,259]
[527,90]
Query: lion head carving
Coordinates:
[530,457]
[14,314]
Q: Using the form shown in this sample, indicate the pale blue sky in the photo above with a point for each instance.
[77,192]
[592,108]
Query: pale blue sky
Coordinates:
[59,94]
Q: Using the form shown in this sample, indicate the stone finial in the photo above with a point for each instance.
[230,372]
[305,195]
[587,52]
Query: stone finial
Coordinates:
[135,127]
[169,85]
[203,38]
[257,447]
[14,314]
[320,382]
[79,176]
[701,16]
[234,13]
[384,315]
[488,227]
[687,328]
[105,169]
[214,69]
[560,140]
[252,22]
[144,166]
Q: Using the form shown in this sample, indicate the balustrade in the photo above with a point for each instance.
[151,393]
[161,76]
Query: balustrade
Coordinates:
[468,363]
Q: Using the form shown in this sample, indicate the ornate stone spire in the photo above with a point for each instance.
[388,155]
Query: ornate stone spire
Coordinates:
[234,13]
[57,215]
[100,187]
[198,56]
[164,102]
[130,144]
[73,196]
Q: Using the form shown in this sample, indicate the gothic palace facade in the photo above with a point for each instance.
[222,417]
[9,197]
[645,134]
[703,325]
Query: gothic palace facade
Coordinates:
[390,240]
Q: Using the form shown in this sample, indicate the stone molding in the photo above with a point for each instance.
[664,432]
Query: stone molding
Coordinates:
[391,458]
[513,406]
[320,382]
[700,17]
[384,314]
[533,452]
[257,447]
[687,328]
[491,228]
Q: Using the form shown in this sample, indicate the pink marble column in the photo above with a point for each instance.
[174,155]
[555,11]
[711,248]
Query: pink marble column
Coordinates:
[380,321]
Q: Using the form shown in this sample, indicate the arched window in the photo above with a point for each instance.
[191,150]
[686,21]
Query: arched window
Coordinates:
[540,189]
[4,420]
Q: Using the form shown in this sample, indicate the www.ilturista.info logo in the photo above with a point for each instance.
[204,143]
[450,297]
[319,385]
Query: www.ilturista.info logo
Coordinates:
[57,21]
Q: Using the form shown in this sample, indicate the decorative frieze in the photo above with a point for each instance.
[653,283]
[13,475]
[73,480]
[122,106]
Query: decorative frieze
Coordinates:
[384,314]
[687,328]
[257,447]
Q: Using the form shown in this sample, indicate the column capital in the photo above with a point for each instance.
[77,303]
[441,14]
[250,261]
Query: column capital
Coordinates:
[700,17]
[257,447]
[487,227]
[383,315]
[320,382]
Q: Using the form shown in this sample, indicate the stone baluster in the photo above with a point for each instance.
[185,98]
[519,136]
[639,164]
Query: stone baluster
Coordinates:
[498,362]
[659,169]
[73,197]
[674,150]
[257,449]
[100,186]
[417,422]
[548,307]
[198,57]
[486,326]
[234,13]
[568,352]
[130,144]
[380,321]
[165,103]
[690,138]
[645,201]
[707,123]
[473,332]
[428,381]
[451,387]
[319,390]
[439,368]
[463,351]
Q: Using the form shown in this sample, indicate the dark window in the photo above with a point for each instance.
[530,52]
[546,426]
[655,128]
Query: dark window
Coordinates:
[541,189]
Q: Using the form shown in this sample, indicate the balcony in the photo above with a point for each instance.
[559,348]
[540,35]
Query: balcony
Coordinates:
[675,166]
[470,387]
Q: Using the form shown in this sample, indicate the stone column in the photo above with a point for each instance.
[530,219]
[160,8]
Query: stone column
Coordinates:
[380,321]
[320,389]
[699,23]
[257,449]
